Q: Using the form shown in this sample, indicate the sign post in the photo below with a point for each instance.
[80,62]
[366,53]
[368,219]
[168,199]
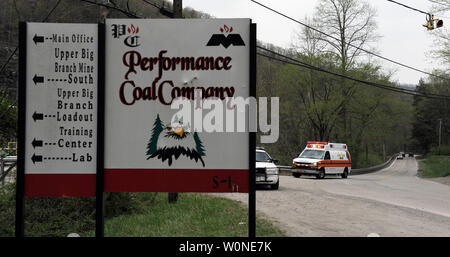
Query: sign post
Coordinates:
[252,141]
[20,181]
[100,178]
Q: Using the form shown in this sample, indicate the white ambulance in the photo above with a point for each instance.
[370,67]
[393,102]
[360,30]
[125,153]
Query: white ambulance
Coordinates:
[322,158]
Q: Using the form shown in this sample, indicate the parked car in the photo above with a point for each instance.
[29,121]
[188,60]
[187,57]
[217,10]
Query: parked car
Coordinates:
[267,173]
[411,154]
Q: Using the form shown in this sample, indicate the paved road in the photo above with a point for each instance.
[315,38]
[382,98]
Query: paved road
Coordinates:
[391,202]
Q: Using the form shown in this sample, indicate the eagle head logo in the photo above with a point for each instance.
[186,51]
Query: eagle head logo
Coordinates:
[169,142]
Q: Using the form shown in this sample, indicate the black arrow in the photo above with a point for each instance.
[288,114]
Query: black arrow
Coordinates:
[37,143]
[38,79]
[36,158]
[38,116]
[37,39]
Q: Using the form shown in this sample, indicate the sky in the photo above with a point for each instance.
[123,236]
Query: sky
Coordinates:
[402,36]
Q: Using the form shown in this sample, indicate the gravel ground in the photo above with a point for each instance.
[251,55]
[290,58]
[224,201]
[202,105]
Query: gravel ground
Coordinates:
[392,203]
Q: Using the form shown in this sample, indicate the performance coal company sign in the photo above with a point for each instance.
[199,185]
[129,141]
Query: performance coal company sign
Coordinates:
[148,64]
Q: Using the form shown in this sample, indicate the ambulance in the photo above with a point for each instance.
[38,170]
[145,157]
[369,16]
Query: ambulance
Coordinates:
[322,158]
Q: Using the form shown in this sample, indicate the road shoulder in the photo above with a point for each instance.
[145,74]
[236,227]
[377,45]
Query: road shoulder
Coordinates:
[442,180]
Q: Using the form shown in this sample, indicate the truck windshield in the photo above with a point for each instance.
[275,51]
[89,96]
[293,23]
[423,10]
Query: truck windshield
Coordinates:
[313,154]
[263,157]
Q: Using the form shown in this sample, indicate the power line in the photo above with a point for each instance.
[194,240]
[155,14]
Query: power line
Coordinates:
[112,7]
[297,62]
[306,65]
[309,66]
[398,90]
[161,9]
[357,47]
[409,7]
[15,50]
[13,53]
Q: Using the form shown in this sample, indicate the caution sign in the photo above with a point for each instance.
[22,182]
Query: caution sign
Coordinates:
[60,109]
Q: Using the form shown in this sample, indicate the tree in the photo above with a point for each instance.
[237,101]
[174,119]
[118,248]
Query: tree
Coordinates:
[199,145]
[8,116]
[427,113]
[348,23]
[441,35]
[347,26]
[152,145]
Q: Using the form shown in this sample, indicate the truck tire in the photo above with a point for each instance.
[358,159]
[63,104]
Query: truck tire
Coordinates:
[321,174]
[296,175]
[345,174]
[276,186]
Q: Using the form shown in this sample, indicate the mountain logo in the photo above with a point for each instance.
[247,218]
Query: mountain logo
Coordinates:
[169,142]
[226,41]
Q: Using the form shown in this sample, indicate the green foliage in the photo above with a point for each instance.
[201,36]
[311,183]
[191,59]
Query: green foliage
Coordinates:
[428,112]
[314,106]
[153,142]
[130,214]
[436,166]
[372,160]
[7,210]
[8,116]
[445,150]
[194,215]
[58,217]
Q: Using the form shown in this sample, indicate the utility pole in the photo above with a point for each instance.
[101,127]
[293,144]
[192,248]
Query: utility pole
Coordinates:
[178,9]
[440,128]
[177,13]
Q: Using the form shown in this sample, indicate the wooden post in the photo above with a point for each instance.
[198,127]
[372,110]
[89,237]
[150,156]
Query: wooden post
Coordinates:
[367,152]
[177,13]
[440,128]
[178,8]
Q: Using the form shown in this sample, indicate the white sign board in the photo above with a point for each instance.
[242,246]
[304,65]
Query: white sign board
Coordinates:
[61,108]
[148,64]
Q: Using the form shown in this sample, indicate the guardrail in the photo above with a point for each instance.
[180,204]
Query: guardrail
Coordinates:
[10,161]
[358,171]
[374,168]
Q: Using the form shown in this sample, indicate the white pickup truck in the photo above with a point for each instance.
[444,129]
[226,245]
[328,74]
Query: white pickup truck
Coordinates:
[267,172]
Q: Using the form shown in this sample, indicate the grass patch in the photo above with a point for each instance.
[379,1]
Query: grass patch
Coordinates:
[435,166]
[131,214]
[372,160]
[194,215]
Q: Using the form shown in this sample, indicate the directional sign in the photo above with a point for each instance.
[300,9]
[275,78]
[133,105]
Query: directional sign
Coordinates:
[38,79]
[38,39]
[36,158]
[61,109]
[38,116]
[36,143]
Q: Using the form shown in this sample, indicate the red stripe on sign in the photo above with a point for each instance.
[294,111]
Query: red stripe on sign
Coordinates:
[54,185]
[173,180]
